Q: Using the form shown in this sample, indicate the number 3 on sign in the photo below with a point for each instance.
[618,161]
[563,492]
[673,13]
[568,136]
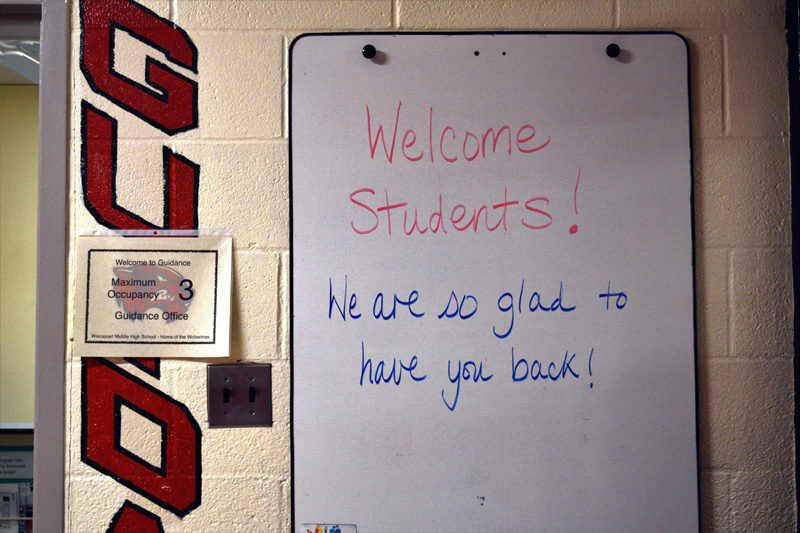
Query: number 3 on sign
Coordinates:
[188,292]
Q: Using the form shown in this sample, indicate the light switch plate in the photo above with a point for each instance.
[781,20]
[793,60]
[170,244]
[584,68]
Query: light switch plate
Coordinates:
[239,395]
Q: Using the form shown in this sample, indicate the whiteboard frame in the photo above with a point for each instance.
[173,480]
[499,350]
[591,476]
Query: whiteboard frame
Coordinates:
[693,244]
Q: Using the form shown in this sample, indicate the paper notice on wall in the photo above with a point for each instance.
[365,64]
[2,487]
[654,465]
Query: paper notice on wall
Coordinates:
[8,508]
[16,464]
[153,296]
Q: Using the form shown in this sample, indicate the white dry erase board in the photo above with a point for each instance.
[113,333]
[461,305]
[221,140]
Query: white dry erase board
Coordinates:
[492,283]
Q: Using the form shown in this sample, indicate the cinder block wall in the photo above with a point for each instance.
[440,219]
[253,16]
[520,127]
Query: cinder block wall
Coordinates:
[742,224]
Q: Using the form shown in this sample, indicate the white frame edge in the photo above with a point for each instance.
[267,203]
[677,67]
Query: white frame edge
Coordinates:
[51,272]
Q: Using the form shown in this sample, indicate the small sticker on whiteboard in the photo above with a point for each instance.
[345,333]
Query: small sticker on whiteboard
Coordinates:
[328,528]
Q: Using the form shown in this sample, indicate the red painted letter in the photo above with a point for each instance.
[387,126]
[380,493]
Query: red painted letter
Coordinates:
[99,177]
[172,105]
[134,519]
[175,483]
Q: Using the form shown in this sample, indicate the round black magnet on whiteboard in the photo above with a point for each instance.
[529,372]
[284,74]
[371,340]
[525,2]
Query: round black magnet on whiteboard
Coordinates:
[368,51]
[613,50]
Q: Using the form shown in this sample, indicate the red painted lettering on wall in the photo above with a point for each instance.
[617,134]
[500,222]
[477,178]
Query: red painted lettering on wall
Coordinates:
[134,519]
[172,106]
[167,102]
[174,484]
[99,178]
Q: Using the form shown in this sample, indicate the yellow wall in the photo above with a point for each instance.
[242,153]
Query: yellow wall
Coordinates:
[19,118]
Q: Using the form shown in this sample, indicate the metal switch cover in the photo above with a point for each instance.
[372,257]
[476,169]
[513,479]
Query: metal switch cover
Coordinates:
[239,395]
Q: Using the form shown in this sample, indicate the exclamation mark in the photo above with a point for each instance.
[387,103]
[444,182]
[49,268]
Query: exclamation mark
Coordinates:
[574,228]
[591,384]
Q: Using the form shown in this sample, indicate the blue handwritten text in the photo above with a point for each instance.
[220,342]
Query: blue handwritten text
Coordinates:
[506,304]
[381,372]
[521,370]
[466,371]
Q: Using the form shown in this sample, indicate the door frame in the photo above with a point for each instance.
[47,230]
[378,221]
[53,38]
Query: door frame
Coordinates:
[51,259]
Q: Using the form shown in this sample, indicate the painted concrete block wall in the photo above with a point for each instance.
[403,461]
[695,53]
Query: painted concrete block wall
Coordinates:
[742,226]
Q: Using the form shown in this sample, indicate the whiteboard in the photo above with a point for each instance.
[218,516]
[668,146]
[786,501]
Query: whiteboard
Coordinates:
[492,283]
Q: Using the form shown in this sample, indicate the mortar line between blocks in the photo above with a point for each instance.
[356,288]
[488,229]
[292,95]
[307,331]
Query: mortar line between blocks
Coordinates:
[728,300]
[723,137]
[754,358]
[286,497]
[261,249]
[279,312]
[395,15]
[215,140]
[615,9]
[68,444]
[198,140]
[730,502]
[285,88]
[750,247]
[725,100]
[730,472]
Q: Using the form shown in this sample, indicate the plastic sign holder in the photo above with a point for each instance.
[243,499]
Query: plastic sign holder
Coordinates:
[153,293]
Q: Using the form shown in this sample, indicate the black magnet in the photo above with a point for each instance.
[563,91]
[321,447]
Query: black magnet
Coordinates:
[368,51]
[612,50]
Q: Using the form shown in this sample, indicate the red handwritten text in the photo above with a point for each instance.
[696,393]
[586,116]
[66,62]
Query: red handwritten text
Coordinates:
[376,213]
[448,143]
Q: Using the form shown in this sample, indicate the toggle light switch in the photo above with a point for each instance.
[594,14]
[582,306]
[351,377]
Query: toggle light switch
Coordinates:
[239,395]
